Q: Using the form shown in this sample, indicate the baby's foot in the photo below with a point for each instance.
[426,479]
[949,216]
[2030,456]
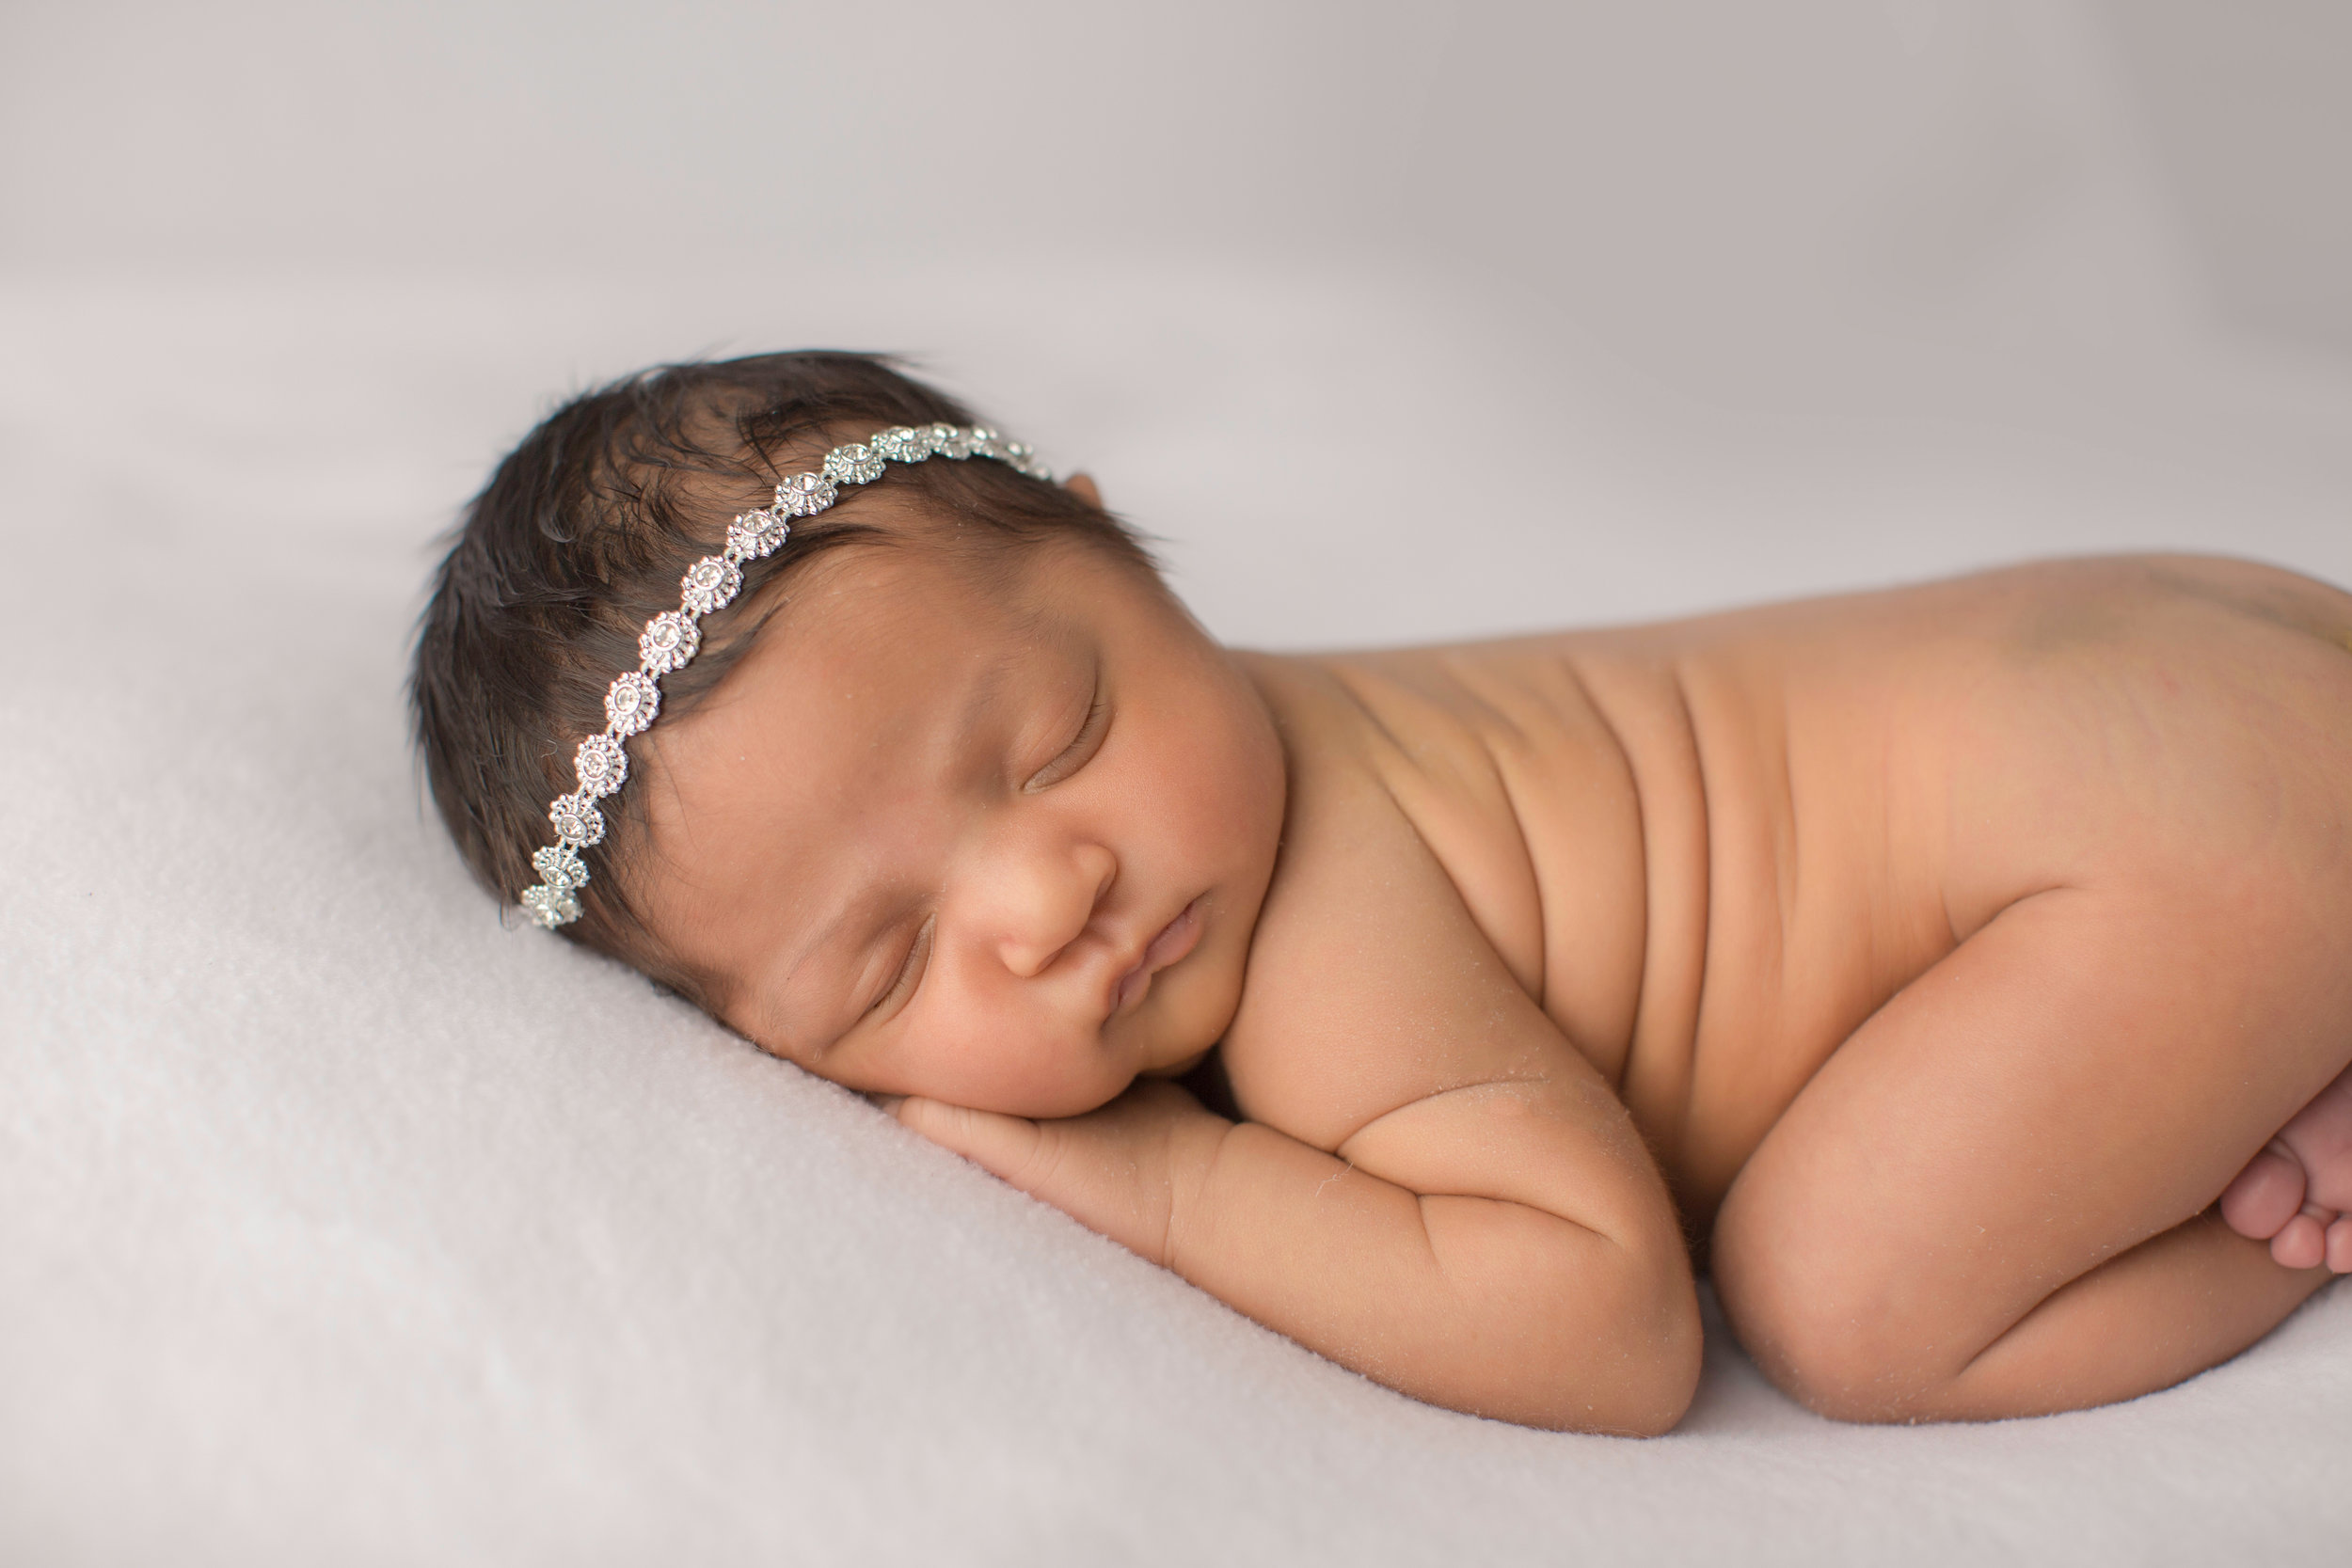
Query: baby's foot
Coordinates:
[2297,1194]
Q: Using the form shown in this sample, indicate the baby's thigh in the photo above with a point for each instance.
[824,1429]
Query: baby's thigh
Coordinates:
[2086,1072]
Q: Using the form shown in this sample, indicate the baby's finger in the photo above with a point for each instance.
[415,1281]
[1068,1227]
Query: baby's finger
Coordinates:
[1003,1146]
[1103,1171]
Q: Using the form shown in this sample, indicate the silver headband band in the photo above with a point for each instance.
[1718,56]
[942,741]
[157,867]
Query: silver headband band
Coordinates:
[672,638]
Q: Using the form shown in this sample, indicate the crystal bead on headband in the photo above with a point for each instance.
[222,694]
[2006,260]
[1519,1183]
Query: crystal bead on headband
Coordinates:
[673,638]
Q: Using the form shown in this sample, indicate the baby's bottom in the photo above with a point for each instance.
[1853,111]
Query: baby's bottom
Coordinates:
[1998,1197]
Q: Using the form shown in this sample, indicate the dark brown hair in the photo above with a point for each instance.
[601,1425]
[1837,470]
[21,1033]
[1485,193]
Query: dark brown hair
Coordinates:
[581,534]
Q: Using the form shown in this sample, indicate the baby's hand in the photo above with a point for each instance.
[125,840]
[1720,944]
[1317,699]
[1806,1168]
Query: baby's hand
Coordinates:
[1119,1170]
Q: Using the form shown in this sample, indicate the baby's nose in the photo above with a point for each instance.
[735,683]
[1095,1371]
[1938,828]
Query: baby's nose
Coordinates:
[1049,903]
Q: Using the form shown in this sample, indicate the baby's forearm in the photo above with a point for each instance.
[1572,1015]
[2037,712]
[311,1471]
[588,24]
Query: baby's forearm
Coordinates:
[1474,1303]
[1480,1304]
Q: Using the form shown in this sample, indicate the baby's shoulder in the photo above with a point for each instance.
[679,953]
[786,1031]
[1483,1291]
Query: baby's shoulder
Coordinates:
[1398,950]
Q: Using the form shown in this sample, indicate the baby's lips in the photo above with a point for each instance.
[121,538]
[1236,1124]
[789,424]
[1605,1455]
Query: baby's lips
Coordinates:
[1172,946]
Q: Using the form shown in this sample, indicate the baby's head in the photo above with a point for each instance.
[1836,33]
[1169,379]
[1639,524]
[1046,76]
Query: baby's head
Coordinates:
[955,799]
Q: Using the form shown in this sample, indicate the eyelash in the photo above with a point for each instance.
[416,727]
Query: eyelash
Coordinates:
[909,968]
[1097,712]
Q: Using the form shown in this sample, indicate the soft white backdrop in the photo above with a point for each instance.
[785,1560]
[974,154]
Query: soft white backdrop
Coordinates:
[338,1224]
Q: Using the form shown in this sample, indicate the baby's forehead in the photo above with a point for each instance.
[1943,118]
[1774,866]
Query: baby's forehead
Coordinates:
[865,675]
[874,641]
[873,607]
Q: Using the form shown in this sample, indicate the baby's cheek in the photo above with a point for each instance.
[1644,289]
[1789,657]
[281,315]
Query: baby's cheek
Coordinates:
[1025,1072]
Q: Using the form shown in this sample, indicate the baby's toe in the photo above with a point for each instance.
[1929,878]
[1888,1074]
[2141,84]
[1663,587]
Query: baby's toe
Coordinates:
[2320,1139]
[2340,1245]
[2300,1243]
[2266,1195]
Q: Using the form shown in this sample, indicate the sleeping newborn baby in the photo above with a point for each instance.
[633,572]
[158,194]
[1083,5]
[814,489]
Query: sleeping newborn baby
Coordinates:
[1963,974]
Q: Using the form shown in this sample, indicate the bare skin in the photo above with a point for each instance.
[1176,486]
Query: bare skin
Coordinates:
[1937,958]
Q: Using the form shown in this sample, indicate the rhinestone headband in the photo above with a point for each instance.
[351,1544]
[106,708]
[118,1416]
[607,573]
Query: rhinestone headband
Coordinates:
[672,638]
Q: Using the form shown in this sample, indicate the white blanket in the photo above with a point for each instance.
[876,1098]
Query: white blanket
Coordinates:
[338,1224]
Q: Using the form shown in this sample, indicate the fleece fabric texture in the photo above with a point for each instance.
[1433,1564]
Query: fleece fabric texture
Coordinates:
[339,1223]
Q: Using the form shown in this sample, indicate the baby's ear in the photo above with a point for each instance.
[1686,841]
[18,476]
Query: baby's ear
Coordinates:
[1082,486]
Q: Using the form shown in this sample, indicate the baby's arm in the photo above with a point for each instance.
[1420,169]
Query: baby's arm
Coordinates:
[1501,1264]
[1454,1203]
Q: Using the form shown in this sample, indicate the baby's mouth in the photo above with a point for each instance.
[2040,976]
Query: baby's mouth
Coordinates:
[1176,938]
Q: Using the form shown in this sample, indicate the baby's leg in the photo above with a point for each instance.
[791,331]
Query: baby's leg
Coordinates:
[1992,1201]
[2297,1194]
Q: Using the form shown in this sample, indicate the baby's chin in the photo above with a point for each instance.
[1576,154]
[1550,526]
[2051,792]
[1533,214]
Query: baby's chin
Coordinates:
[1184,1068]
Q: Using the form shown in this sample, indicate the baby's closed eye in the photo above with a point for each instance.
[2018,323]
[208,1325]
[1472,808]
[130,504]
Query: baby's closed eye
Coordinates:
[1082,746]
[908,974]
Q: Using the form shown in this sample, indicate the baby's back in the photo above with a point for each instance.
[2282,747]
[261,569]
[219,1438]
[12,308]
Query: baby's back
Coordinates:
[1710,849]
